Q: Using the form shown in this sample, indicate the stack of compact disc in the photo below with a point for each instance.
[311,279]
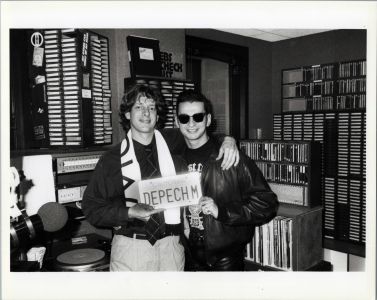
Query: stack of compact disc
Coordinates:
[167,93]
[71,89]
[78,88]
[96,60]
[54,91]
[189,86]
[178,87]
[108,130]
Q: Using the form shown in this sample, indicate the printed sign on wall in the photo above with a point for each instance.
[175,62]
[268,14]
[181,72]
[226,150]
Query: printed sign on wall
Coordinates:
[169,66]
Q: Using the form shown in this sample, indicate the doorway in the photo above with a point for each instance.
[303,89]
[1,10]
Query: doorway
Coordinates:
[220,71]
[211,77]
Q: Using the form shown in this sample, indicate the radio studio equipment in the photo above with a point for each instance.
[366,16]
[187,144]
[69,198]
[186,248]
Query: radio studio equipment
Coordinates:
[24,229]
[51,217]
[27,231]
[69,242]
[82,253]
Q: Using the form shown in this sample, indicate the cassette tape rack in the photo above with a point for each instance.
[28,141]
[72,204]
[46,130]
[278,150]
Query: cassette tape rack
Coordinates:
[76,89]
[341,130]
[169,89]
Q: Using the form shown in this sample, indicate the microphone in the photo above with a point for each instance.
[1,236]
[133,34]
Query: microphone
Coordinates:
[53,215]
[50,217]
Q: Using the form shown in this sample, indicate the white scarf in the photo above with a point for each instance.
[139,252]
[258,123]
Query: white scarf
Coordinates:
[131,171]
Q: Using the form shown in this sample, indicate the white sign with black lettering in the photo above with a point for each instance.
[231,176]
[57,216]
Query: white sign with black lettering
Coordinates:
[172,191]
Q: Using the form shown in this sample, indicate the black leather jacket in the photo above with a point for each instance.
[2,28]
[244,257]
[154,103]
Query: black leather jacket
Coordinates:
[244,199]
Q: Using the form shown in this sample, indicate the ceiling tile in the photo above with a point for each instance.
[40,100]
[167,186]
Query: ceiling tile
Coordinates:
[295,32]
[243,31]
[272,35]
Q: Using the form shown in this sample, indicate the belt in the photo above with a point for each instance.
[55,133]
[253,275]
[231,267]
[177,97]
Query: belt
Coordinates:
[170,230]
[137,236]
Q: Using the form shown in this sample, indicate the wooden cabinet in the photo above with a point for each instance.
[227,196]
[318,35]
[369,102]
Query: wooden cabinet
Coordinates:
[292,241]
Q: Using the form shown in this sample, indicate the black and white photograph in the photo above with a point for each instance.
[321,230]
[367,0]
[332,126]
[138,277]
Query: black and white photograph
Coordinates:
[188,150]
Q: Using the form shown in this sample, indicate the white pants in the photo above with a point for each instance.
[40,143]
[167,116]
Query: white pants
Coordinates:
[129,254]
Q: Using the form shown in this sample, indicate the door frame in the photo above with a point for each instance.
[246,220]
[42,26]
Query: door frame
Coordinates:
[237,57]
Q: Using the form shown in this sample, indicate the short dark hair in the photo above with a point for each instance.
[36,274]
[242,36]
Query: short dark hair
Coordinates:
[194,96]
[132,94]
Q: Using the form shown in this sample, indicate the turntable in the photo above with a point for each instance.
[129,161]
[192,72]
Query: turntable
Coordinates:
[82,260]
[91,254]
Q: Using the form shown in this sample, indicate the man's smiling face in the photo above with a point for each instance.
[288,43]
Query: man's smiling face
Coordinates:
[193,131]
[143,115]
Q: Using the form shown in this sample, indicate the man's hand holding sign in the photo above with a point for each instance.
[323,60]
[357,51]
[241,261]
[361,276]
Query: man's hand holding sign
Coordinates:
[209,206]
[142,211]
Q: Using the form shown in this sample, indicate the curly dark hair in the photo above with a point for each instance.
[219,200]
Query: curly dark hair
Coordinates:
[132,94]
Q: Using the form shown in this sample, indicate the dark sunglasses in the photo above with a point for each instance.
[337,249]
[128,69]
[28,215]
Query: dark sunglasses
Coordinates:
[184,119]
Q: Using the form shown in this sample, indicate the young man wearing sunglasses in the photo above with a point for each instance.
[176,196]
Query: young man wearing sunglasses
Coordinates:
[233,202]
[144,239]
